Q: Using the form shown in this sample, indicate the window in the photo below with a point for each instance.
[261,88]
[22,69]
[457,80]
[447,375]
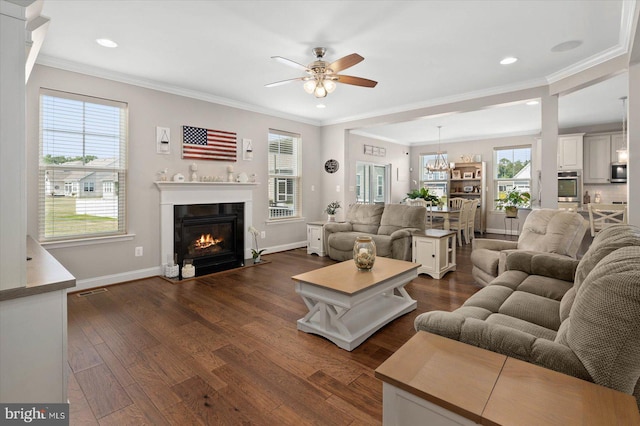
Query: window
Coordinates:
[284,175]
[425,174]
[512,170]
[83,145]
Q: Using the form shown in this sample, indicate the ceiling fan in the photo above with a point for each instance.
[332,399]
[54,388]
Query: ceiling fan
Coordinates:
[323,76]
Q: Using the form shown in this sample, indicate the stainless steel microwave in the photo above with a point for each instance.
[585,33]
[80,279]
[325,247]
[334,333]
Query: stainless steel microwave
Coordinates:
[618,173]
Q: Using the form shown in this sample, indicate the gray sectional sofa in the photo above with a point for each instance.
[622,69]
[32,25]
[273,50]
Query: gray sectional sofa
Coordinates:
[389,225]
[581,318]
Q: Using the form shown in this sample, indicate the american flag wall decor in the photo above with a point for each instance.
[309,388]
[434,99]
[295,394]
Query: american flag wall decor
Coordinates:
[206,144]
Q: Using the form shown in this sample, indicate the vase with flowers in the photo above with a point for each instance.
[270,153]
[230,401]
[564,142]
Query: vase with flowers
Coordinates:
[331,210]
[255,252]
[510,201]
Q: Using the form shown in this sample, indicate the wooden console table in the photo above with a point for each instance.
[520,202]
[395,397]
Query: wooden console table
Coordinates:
[435,380]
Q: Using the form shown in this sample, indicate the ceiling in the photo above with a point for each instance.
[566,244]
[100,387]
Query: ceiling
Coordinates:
[421,52]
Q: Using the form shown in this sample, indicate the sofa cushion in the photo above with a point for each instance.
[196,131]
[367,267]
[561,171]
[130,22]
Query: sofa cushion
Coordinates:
[400,216]
[365,217]
[547,287]
[552,231]
[533,309]
[490,298]
[603,328]
[606,241]
[522,325]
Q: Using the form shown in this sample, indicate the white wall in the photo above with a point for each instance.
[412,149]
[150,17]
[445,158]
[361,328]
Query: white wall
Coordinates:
[148,109]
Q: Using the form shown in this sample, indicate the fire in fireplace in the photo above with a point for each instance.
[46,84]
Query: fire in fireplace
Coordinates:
[211,235]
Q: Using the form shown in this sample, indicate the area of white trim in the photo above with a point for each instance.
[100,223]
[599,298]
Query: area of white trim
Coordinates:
[284,221]
[112,279]
[86,241]
[594,60]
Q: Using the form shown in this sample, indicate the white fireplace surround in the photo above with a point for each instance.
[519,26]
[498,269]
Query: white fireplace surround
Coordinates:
[184,193]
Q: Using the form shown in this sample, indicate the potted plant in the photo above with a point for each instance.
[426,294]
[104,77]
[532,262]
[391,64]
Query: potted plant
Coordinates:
[424,194]
[511,200]
[331,210]
[255,253]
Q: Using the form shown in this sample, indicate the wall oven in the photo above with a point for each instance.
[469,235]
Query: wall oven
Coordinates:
[569,187]
[618,173]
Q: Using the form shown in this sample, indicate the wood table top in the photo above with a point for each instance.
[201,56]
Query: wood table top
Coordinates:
[448,373]
[493,389]
[345,277]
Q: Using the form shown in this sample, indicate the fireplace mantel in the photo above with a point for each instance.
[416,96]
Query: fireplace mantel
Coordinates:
[182,193]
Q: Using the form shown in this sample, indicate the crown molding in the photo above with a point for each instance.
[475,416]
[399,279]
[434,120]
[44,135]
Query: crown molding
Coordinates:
[72,66]
[498,90]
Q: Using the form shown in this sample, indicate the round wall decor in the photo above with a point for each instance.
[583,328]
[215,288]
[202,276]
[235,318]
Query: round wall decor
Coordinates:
[331,166]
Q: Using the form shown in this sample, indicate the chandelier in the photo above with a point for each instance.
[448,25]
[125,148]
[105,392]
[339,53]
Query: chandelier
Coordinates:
[440,165]
[623,153]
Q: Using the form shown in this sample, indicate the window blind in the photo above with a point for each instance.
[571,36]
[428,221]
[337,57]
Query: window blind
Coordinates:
[82,166]
[284,175]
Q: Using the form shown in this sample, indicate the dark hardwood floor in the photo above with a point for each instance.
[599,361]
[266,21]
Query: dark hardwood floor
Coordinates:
[224,349]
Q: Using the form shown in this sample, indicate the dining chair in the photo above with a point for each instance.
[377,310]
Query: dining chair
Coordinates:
[456,203]
[603,215]
[471,221]
[461,225]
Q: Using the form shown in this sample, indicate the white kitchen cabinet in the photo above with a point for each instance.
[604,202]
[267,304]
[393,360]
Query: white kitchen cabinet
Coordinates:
[435,250]
[617,142]
[597,157]
[570,152]
[315,238]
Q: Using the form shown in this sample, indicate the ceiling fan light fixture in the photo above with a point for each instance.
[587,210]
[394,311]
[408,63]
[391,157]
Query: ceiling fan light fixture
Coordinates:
[320,91]
[329,85]
[309,86]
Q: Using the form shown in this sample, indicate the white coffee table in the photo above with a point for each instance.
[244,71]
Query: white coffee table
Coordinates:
[347,306]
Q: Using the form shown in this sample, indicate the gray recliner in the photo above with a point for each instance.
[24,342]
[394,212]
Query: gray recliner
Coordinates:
[547,230]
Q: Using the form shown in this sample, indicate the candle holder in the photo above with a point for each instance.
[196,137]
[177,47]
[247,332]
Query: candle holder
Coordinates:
[364,253]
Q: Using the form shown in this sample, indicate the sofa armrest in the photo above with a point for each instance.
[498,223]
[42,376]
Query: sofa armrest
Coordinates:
[403,233]
[496,245]
[545,264]
[337,227]
[504,340]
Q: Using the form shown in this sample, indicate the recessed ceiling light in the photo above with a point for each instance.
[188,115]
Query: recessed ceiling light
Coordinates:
[508,60]
[567,45]
[321,106]
[105,42]
[533,102]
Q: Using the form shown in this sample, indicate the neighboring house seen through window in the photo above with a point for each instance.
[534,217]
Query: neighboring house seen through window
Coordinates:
[512,170]
[284,175]
[83,167]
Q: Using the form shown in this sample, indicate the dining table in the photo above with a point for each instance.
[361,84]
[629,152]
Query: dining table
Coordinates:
[444,212]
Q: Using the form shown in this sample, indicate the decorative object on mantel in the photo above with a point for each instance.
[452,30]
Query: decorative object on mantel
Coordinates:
[230,174]
[162,140]
[255,253]
[206,144]
[247,149]
[178,177]
[194,175]
[331,210]
[242,177]
[162,175]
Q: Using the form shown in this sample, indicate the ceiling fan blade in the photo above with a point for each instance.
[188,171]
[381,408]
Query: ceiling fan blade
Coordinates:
[345,62]
[291,63]
[280,83]
[356,81]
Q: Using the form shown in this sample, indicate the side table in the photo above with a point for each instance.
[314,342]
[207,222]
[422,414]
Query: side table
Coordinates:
[315,238]
[435,250]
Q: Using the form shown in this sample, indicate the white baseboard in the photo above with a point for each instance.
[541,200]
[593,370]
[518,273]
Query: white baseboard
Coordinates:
[501,231]
[107,280]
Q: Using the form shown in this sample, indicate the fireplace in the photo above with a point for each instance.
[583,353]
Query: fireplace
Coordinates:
[209,235]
